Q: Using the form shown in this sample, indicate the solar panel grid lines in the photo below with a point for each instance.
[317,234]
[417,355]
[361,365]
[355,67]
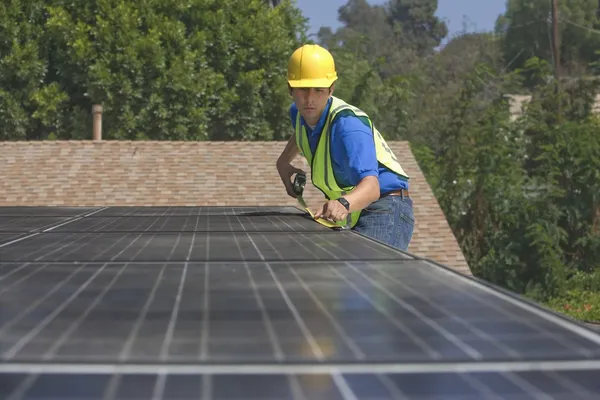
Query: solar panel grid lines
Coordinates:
[26,338]
[97,246]
[356,351]
[129,211]
[559,322]
[18,226]
[124,354]
[59,225]
[486,391]
[302,325]
[449,336]
[286,283]
[440,306]
[314,346]
[13,271]
[76,323]
[27,224]
[19,390]
[144,303]
[316,349]
[273,338]
[279,355]
[7,324]
[565,382]
[321,386]
[434,354]
[47,211]
[204,350]
[51,351]
[14,237]
[169,334]
[342,386]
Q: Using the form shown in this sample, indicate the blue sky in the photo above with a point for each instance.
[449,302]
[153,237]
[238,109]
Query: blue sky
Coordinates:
[481,14]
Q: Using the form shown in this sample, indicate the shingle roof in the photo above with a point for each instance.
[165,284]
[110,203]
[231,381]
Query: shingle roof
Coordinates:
[83,173]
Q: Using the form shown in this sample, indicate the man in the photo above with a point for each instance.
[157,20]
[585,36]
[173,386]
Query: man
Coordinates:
[366,188]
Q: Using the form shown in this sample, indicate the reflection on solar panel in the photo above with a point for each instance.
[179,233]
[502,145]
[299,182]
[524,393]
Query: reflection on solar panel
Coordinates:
[28,224]
[261,303]
[6,237]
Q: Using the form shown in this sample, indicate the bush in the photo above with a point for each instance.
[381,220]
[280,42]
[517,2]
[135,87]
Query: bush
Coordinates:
[583,305]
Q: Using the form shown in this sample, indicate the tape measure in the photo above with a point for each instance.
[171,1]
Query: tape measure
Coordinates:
[298,186]
[299,183]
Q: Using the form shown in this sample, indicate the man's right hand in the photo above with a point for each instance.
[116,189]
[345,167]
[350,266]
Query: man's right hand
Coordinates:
[286,170]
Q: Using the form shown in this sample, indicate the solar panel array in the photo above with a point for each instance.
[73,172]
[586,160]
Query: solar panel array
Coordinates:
[260,303]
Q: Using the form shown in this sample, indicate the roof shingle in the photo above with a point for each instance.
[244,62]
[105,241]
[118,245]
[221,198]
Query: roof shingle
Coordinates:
[147,173]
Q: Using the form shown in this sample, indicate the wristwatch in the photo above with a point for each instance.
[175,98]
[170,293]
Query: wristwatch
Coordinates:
[344,202]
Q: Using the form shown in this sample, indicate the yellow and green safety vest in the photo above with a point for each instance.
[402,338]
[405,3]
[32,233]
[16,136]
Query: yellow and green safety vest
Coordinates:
[321,168]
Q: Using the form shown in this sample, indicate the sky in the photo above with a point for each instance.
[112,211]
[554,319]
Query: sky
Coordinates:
[481,14]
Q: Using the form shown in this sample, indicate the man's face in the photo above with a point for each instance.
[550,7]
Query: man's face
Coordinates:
[311,102]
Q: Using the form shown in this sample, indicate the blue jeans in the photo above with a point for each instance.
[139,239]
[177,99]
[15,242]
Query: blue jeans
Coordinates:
[390,220]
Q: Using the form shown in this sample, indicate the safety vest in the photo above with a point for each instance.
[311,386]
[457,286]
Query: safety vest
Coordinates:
[321,168]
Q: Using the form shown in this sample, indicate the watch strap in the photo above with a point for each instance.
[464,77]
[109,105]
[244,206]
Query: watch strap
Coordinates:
[344,203]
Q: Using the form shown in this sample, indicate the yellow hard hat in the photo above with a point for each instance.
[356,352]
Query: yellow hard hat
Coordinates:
[311,66]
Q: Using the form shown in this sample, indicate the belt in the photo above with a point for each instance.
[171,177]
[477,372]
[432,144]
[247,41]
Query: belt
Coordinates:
[400,192]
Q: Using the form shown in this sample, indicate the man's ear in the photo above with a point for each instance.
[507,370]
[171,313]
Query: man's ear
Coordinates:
[290,90]
[331,88]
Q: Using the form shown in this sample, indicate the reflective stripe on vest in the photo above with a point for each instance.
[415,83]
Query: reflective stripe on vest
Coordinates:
[321,168]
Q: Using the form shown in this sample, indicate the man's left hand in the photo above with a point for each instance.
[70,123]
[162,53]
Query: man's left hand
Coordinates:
[333,211]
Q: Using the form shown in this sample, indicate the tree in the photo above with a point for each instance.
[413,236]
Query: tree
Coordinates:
[526,27]
[29,103]
[439,80]
[201,69]
[418,23]
[390,37]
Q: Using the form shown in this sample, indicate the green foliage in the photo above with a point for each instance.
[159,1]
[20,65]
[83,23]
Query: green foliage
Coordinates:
[390,37]
[521,196]
[191,70]
[417,21]
[527,32]
[22,72]
[386,100]
[581,298]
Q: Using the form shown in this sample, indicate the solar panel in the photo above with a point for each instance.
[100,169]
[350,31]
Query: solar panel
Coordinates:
[48,211]
[190,211]
[196,223]
[9,236]
[202,246]
[566,385]
[265,312]
[28,224]
[265,306]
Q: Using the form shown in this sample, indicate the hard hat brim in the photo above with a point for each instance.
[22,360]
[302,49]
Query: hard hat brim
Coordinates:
[311,83]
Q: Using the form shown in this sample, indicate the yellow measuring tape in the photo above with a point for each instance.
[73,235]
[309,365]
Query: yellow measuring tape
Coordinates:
[322,221]
[298,186]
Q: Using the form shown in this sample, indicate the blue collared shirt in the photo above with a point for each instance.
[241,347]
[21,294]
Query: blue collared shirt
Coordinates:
[352,151]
